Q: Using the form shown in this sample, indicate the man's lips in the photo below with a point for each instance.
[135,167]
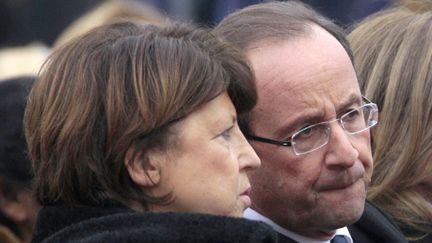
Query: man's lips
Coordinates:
[340,181]
[337,186]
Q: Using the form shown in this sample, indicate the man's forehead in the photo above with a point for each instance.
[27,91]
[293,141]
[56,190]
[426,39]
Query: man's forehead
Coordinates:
[308,74]
[294,64]
[319,98]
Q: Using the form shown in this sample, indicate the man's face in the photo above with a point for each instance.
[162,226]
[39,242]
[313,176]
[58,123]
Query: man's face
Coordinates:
[301,82]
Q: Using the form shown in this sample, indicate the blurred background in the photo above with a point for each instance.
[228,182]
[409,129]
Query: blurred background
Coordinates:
[24,21]
[29,29]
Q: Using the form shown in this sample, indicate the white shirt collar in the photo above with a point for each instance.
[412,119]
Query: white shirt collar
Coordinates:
[253,215]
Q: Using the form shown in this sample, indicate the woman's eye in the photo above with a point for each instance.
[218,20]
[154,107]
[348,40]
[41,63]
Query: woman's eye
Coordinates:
[227,133]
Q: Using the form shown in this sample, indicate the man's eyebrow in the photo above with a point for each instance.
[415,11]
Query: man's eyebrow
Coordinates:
[351,100]
[314,116]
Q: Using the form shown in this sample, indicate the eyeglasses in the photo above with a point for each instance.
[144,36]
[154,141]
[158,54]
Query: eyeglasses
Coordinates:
[315,136]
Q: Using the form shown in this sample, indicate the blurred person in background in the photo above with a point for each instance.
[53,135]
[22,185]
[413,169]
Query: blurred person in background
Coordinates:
[27,59]
[393,57]
[110,11]
[18,209]
[22,61]
[132,131]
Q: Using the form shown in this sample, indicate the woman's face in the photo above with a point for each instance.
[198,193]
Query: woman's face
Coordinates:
[206,168]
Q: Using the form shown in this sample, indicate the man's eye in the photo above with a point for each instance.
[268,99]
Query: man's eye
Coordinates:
[305,132]
[351,115]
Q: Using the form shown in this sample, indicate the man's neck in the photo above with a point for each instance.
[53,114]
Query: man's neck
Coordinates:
[299,237]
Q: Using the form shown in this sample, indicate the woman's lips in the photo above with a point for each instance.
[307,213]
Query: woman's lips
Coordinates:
[245,197]
[247,191]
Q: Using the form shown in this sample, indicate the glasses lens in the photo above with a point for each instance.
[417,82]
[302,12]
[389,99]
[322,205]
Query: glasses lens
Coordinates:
[310,138]
[360,119]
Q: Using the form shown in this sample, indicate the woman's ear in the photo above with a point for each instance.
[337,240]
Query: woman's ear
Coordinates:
[144,170]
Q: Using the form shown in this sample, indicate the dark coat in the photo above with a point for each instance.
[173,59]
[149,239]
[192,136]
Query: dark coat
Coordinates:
[119,224]
[411,231]
[374,226]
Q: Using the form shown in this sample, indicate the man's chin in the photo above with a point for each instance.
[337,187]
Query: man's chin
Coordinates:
[346,215]
[344,208]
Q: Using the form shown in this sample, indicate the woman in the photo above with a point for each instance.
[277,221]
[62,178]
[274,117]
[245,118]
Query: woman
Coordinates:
[393,56]
[132,122]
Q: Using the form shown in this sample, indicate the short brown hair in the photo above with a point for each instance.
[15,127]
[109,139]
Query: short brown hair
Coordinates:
[286,20]
[118,86]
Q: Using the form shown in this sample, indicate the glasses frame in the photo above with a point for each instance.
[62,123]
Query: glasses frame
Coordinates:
[289,143]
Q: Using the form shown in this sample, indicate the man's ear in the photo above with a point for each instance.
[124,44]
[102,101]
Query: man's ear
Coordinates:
[144,170]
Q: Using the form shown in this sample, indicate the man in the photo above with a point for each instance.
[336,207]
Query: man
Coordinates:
[18,209]
[310,127]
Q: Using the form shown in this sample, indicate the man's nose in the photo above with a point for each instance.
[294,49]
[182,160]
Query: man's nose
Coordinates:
[340,151]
